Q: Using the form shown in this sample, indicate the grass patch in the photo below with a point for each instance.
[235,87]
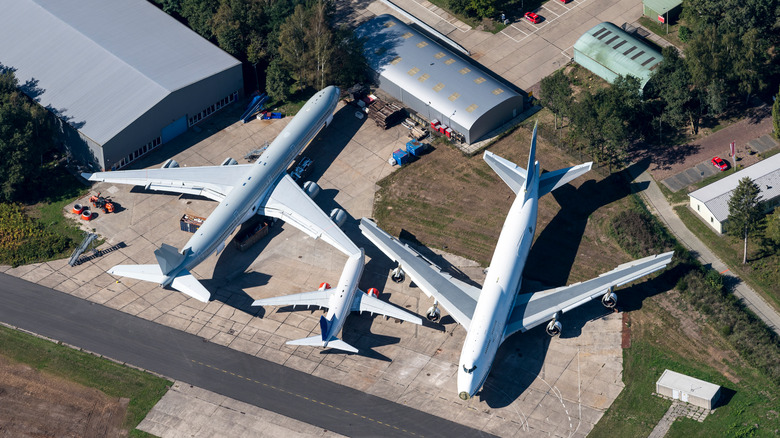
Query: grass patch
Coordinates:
[143,389]
[659,29]
[761,273]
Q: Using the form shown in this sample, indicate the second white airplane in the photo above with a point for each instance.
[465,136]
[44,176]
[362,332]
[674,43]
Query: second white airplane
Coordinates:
[497,311]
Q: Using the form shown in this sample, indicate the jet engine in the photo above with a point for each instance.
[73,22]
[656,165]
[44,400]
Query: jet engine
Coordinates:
[324,286]
[398,275]
[373,292]
[229,162]
[312,189]
[554,327]
[609,300]
[338,216]
[171,163]
[433,314]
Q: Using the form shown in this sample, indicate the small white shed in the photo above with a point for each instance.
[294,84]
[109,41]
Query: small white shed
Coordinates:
[688,389]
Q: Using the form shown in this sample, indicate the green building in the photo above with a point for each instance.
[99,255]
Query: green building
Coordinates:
[663,11]
[609,51]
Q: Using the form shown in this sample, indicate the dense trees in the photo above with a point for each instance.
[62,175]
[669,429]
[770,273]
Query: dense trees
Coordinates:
[25,135]
[295,39]
[745,211]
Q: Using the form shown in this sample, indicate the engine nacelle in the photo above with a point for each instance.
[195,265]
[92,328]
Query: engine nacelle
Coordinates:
[609,300]
[554,328]
[433,314]
[171,163]
[312,189]
[373,292]
[324,286]
[229,162]
[338,216]
[398,275]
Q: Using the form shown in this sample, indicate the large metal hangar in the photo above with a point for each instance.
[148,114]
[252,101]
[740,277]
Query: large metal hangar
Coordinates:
[122,76]
[435,82]
[609,51]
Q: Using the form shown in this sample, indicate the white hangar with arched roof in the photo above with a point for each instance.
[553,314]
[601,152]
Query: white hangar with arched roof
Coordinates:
[434,81]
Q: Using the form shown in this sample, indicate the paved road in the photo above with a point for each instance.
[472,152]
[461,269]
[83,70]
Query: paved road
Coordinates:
[661,206]
[189,358]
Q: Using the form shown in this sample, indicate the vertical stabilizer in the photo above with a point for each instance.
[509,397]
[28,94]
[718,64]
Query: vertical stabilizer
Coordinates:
[531,170]
[168,257]
[324,328]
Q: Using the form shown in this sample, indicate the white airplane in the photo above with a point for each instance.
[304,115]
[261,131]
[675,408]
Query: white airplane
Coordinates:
[243,191]
[497,311]
[339,302]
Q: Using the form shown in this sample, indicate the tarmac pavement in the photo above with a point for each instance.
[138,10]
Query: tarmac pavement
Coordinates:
[538,385]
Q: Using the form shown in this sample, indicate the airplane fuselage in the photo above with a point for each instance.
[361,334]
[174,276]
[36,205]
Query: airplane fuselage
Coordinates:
[340,301]
[499,290]
[259,180]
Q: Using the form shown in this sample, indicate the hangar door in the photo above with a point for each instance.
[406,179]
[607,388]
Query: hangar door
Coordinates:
[174,129]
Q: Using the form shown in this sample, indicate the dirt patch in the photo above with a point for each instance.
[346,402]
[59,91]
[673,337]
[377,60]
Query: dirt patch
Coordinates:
[34,404]
[682,329]
[458,204]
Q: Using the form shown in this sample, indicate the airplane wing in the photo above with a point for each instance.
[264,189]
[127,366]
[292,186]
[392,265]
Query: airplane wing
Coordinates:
[366,303]
[213,182]
[531,310]
[317,298]
[291,204]
[458,298]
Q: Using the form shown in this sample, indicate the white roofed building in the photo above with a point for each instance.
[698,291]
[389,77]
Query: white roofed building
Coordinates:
[122,75]
[712,202]
[688,389]
[436,82]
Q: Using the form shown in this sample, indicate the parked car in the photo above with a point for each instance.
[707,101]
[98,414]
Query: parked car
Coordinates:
[532,17]
[719,163]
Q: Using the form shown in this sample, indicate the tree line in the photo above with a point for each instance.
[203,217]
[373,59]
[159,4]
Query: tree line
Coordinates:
[730,56]
[295,42]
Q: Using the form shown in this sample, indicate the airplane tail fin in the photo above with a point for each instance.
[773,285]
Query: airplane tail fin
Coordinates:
[519,179]
[184,282]
[324,339]
[168,257]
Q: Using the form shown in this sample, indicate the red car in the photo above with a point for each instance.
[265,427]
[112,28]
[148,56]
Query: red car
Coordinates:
[532,17]
[719,163]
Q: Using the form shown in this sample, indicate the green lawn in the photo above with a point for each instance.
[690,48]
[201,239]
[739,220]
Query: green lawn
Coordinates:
[143,389]
[761,272]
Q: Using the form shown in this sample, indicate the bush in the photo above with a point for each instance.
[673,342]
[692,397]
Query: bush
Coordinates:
[638,233]
[24,240]
[684,33]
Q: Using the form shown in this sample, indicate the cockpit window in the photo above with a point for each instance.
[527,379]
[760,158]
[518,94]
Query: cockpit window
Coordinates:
[469,370]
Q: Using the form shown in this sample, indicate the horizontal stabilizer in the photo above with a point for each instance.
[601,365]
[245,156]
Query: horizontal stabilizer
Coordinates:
[316,341]
[513,175]
[150,273]
[184,282]
[189,285]
[552,180]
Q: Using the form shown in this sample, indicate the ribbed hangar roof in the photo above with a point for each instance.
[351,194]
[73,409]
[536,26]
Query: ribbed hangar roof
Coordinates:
[619,51]
[101,64]
[429,71]
[765,173]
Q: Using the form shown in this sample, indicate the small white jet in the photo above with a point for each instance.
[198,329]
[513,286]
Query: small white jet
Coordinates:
[346,297]
[243,191]
[497,311]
